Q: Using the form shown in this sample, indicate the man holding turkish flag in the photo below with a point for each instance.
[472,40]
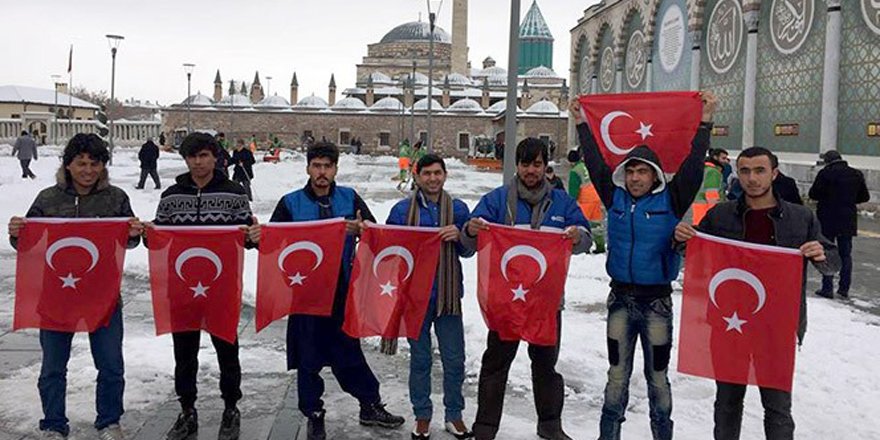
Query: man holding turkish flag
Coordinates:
[298,285]
[739,314]
[521,280]
[664,121]
[391,282]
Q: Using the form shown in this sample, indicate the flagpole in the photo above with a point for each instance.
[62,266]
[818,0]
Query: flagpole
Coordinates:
[70,93]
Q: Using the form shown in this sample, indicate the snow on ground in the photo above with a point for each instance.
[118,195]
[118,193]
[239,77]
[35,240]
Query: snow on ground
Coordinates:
[836,387]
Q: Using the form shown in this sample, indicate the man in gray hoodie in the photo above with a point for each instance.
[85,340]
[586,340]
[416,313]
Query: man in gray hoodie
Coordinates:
[26,149]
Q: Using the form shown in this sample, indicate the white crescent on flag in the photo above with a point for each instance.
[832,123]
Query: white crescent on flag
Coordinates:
[527,251]
[740,275]
[302,246]
[198,253]
[79,242]
[400,251]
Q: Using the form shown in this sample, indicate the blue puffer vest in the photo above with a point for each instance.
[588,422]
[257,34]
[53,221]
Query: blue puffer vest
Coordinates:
[303,208]
[639,239]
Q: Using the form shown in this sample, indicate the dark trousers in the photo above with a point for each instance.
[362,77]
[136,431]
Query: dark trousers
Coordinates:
[246,184]
[26,169]
[186,368]
[844,247]
[106,346]
[778,424]
[547,384]
[152,172]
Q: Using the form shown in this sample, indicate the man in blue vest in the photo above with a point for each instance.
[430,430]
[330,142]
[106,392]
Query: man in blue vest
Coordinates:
[643,211]
[527,201]
[316,342]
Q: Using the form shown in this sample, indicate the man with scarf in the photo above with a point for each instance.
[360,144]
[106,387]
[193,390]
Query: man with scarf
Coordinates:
[315,342]
[431,206]
[528,201]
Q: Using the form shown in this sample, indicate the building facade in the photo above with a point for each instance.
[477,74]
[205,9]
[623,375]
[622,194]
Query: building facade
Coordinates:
[797,76]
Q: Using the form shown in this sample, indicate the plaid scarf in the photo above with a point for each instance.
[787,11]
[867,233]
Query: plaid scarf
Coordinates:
[448,272]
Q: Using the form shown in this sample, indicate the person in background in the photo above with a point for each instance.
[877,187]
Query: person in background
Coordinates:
[26,149]
[149,159]
[554,180]
[223,154]
[582,189]
[243,161]
[712,190]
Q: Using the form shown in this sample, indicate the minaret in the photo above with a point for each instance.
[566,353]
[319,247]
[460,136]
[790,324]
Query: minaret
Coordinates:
[231,87]
[218,87]
[526,96]
[243,90]
[294,90]
[446,98]
[257,94]
[460,37]
[485,101]
[371,98]
[332,90]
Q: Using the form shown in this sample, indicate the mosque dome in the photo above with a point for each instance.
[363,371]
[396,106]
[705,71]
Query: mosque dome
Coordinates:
[273,101]
[350,103]
[311,103]
[415,31]
[543,107]
[466,105]
[198,100]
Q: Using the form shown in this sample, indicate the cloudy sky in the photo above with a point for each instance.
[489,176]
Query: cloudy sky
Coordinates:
[275,37]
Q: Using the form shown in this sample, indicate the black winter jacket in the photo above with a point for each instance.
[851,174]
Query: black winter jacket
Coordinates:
[839,188]
[148,155]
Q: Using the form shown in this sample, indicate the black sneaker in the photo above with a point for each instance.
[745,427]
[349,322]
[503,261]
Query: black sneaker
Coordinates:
[842,294]
[824,294]
[376,415]
[315,429]
[230,426]
[186,427]
[557,434]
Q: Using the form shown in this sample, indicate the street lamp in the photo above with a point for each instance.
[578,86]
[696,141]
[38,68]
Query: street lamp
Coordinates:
[188,68]
[432,20]
[113,41]
[55,79]
[512,89]
[412,108]
[268,85]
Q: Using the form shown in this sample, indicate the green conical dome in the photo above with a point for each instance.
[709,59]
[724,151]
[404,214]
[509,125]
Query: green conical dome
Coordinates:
[536,41]
[534,25]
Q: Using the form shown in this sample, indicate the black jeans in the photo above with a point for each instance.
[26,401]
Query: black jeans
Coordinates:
[246,184]
[844,248]
[186,368]
[778,424]
[547,384]
[152,172]
[26,169]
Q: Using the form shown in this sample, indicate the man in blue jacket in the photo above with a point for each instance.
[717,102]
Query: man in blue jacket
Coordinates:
[529,201]
[431,206]
[643,211]
[315,342]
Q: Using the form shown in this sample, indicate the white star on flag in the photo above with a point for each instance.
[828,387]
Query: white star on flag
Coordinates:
[645,130]
[69,281]
[200,290]
[734,323]
[388,288]
[297,279]
[519,294]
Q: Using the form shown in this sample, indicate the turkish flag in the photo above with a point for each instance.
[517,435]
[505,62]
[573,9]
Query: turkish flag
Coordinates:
[195,275]
[391,282]
[740,311]
[298,269]
[664,121]
[520,282]
[68,273]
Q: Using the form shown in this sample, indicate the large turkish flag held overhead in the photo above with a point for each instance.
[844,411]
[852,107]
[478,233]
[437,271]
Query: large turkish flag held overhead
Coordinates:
[391,281]
[298,269]
[521,280]
[68,273]
[740,311]
[195,275]
[664,121]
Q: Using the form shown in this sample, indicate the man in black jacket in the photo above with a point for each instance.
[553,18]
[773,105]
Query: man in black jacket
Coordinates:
[149,158]
[839,188]
[205,196]
[759,216]
[243,171]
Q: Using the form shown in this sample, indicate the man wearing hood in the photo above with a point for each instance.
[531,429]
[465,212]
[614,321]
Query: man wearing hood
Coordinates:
[149,158]
[643,211]
[528,201]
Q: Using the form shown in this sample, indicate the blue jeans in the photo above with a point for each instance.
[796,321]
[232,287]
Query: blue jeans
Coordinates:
[844,247]
[106,346]
[651,321]
[450,337]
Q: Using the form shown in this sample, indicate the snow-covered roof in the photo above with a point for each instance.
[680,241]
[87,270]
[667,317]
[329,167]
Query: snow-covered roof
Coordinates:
[311,103]
[534,25]
[234,101]
[34,95]
[457,79]
[543,107]
[494,71]
[498,80]
[350,103]
[541,72]
[416,31]
[198,100]
[421,78]
[499,107]
[466,105]
[387,104]
[422,105]
[273,101]
[379,78]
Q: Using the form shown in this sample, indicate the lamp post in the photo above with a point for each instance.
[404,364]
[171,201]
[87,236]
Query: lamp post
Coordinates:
[55,79]
[268,85]
[188,68]
[432,20]
[412,108]
[512,89]
[114,41]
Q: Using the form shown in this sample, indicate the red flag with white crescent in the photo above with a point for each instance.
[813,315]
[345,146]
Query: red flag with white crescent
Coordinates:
[68,273]
[664,121]
[196,277]
[521,281]
[391,281]
[740,311]
[298,269]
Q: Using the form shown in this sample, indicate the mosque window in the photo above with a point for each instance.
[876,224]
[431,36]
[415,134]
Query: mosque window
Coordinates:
[464,141]
[384,139]
[344,137]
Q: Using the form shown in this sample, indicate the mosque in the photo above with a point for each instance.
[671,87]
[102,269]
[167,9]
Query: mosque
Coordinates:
[389,101]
